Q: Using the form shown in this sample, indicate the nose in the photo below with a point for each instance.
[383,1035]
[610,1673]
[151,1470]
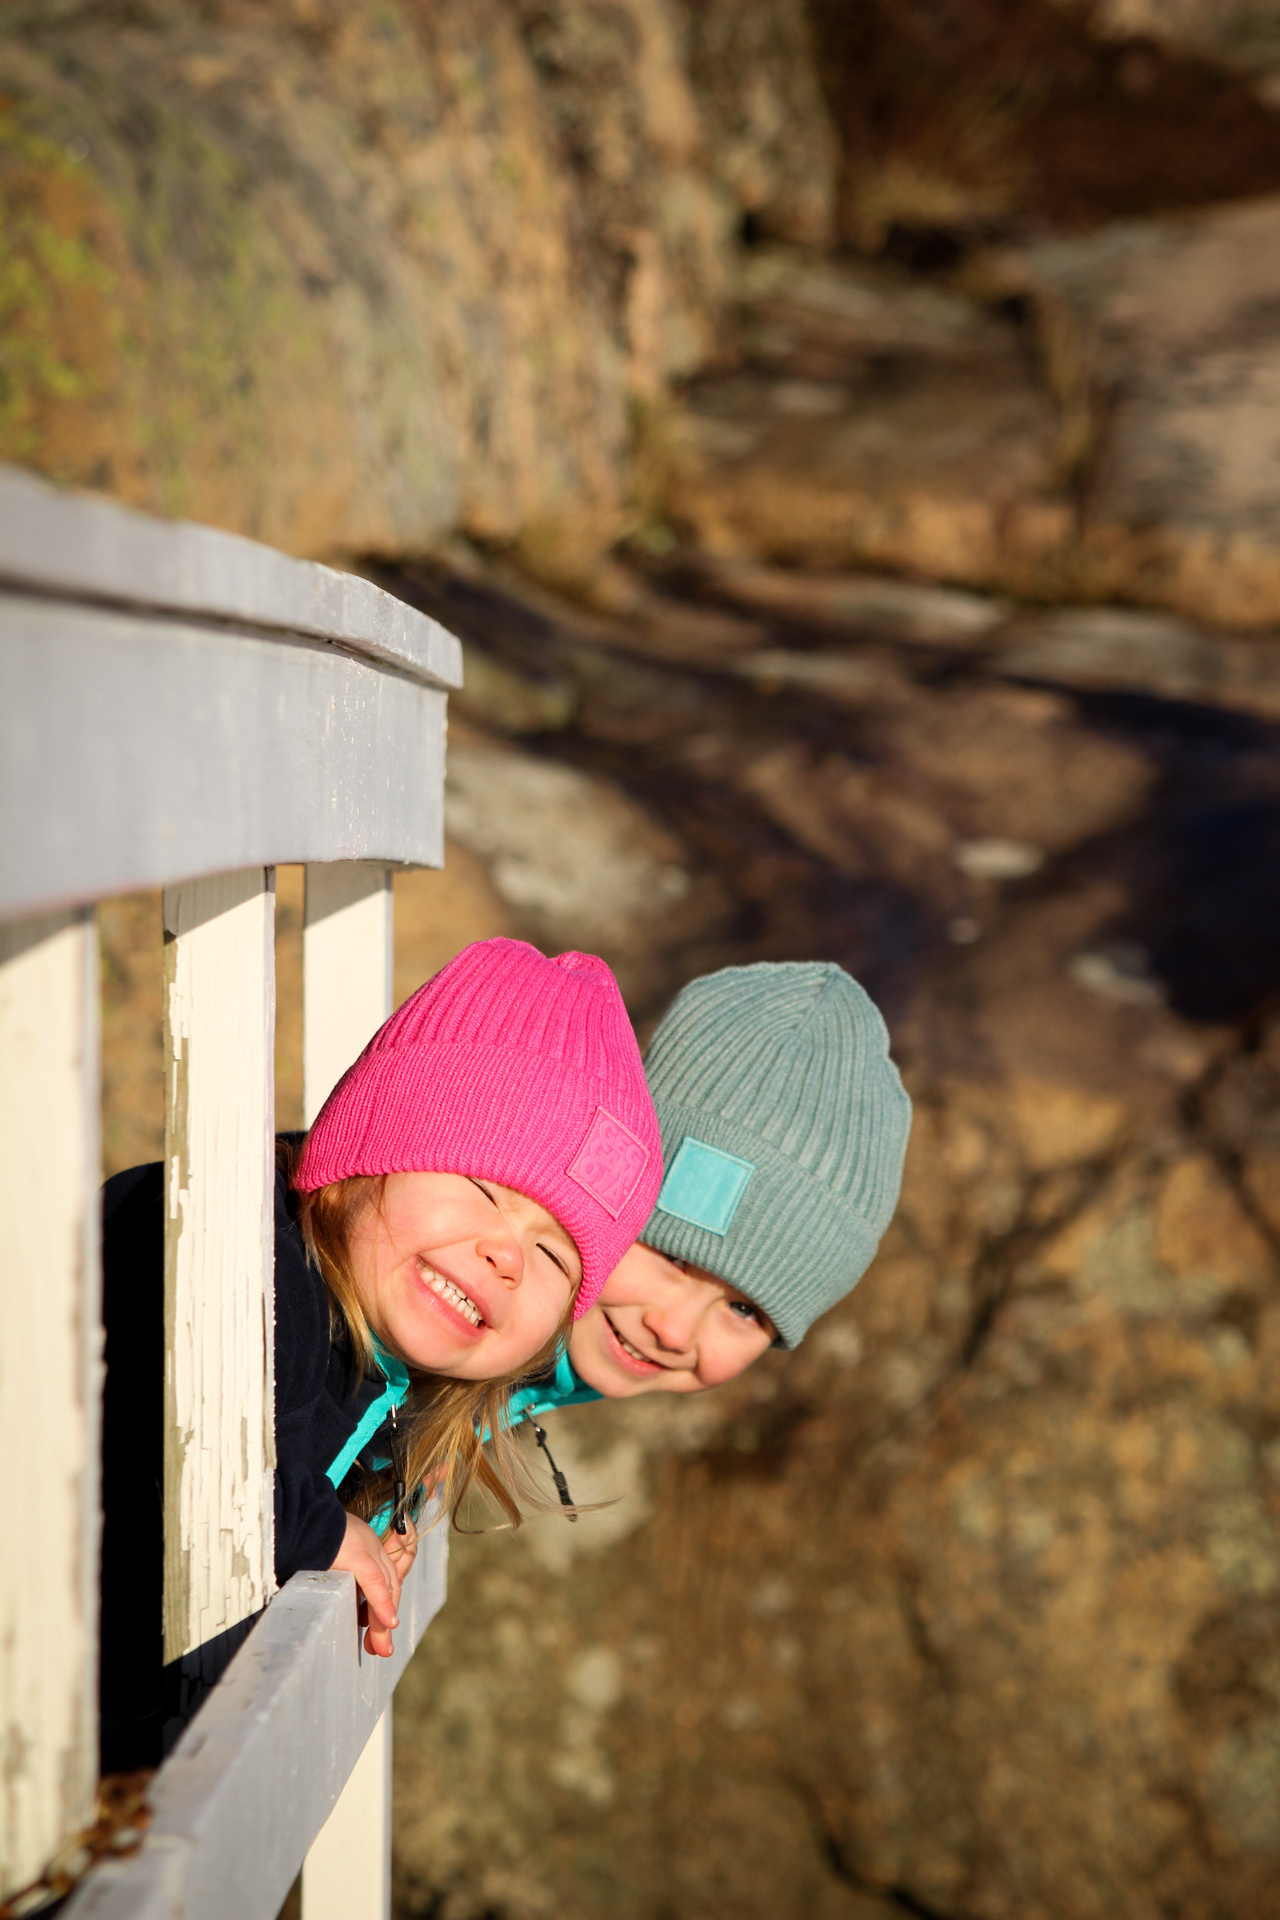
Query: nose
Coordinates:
[502,1253]
[672,1319]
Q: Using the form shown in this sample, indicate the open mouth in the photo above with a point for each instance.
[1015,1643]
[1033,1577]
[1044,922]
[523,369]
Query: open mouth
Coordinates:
[636,1361]
[454,1297]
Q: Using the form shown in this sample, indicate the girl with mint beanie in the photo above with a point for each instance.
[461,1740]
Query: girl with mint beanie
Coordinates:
[784,1128]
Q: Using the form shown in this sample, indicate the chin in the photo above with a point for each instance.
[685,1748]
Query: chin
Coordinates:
[627,1387]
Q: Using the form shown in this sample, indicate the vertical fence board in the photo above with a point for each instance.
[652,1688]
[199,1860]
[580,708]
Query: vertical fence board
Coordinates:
[219,1255]
[50,1386]
[346,971]
[346,995]
[347,1874]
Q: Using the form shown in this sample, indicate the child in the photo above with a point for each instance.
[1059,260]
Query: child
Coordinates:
[467,1186]
[784,1128]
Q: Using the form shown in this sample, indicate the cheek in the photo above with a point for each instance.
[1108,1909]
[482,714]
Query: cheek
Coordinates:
[728,1355]
[587,1334]
[367,1252]
[543,1306]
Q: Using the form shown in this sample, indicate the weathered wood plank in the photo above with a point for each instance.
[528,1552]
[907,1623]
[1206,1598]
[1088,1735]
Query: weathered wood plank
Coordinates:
[346,971]
[50,1387]
[253,1779]
[219,1254]
[138,752]
[347,1874]
[76,547]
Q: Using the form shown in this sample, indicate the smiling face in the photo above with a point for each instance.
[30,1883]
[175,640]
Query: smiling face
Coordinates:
[664,1326]
[462,1277]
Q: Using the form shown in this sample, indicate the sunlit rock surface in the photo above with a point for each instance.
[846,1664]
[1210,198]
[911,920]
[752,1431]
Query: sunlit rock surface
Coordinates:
[872,421]
[1244,34]
[1159,343]
[347,276]
[1092,419]
[352,277]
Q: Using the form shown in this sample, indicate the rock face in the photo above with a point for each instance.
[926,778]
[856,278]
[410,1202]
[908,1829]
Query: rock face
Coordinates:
[974,117]
[755,69]
[1244,34]
[347,276]
[1122,443]
[1159,343]
[972,1605]
[873,421]
[575,861]
[352,276]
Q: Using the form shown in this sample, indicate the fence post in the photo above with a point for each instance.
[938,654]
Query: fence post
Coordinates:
[346,995]
[346,970]
[50,1386]
[347,1874]
[219,1265]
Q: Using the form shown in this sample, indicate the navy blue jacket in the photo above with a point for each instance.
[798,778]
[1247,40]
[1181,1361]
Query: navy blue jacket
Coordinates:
[317,1410]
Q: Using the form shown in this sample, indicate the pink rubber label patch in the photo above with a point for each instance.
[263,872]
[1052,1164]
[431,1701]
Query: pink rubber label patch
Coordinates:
[609,1162]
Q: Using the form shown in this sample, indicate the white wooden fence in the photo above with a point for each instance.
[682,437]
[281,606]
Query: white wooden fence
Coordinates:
[183,709]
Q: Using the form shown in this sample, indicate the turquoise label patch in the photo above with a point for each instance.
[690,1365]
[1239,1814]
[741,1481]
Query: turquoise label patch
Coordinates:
[704,1186]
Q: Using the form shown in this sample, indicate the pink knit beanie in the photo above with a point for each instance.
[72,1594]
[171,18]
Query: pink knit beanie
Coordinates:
[515,1068]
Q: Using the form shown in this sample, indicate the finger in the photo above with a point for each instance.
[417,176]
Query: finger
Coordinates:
[381,1593]
[383,1616]
[378,1640]
[379,1596]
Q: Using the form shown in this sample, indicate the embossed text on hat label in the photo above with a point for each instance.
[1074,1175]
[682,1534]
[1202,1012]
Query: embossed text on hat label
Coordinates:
[704,1185]
[609,1162]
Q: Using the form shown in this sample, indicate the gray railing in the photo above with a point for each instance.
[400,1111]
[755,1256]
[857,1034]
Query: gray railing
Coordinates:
[183,709]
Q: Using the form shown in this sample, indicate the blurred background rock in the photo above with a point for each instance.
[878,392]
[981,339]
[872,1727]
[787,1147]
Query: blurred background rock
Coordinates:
[846,437]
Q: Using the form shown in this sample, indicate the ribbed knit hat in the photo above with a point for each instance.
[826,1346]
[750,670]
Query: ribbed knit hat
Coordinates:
[509,1067]
[784,1127]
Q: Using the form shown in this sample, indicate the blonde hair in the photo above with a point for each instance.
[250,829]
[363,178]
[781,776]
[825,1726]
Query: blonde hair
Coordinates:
[455,1434]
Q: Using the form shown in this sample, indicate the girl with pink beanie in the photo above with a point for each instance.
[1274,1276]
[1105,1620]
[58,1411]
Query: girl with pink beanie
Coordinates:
[462,1197]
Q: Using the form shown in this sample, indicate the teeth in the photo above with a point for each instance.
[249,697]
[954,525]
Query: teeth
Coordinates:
[457,1298]
[628,1348]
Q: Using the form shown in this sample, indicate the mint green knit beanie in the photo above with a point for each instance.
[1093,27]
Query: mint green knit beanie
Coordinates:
[784,1127]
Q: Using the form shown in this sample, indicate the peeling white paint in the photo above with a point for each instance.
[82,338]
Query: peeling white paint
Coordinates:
[219,1252]
[50,1387]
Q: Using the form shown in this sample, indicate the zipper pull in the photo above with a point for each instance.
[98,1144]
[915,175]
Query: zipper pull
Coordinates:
[398,1520]
[561,1484]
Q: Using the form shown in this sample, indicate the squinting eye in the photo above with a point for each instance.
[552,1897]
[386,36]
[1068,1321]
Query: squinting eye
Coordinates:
[553,1255]
[745,1311]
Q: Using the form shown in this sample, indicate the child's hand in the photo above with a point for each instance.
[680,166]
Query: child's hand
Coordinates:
[377,1576]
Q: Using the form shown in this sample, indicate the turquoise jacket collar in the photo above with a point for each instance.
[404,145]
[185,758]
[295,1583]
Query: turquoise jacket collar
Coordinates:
[397,1378]
[564,1389]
